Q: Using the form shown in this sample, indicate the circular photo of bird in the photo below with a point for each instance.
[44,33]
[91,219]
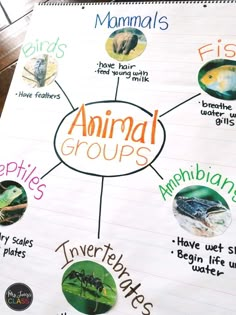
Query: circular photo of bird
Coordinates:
[89,287]
[13,202]
[40,71]
[218,78]
[126,44]
[201,211]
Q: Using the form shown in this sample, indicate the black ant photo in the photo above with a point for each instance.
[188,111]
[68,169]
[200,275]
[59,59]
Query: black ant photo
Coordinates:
[88,282]
[89,288]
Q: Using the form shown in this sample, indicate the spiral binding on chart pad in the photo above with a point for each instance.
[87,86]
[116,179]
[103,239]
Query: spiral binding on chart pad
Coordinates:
[137,3]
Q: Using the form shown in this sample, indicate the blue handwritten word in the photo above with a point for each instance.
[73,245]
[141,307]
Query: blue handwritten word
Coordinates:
[132,21]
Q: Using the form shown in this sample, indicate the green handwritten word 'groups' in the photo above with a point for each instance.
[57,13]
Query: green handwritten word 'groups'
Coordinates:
[196,173]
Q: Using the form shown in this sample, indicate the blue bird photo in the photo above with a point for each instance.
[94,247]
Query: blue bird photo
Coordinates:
[40,70]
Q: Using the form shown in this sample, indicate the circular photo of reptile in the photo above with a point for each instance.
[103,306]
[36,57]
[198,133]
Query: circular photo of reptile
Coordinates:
[126,44]
[89,287]
[13,202]
[40,71]
[202,211]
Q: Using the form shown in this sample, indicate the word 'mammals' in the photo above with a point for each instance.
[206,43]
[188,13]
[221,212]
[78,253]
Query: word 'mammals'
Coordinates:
[132,21]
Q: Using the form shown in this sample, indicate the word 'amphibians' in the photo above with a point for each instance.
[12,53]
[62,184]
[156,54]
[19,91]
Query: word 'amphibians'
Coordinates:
[112,21]
[196,173]
[26,173]
[43,46]
[217,50]
[106,255]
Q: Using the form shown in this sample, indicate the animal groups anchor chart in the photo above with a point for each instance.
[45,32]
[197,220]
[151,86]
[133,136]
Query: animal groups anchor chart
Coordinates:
[118,183]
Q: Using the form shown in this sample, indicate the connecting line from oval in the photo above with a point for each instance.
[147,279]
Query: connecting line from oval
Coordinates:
[189,99]
[102,176]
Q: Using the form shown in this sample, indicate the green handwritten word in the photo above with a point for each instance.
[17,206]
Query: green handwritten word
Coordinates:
[45,46]
[198,174]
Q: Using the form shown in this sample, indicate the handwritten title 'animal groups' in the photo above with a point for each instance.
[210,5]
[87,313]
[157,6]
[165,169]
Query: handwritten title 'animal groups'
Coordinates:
[103,140]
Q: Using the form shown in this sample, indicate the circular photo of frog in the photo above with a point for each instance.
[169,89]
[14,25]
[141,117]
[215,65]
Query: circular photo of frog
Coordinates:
[201,211]
[89,287]
[13,202]
[126,44]
[40,71]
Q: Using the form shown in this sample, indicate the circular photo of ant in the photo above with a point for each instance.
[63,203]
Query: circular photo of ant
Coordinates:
[201,211]
[40,71]
[126,44]
[13,202]
[89,287]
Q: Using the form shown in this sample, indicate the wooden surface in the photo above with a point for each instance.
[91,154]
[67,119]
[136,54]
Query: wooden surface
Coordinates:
[14,19]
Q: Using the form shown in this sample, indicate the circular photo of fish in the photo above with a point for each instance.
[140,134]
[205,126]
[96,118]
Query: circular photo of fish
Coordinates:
[40,71]
[89,287]
[126,44]
[13,202]
[201,211]
[218,78]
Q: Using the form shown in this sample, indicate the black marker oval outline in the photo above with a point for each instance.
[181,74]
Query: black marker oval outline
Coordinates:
[100,175]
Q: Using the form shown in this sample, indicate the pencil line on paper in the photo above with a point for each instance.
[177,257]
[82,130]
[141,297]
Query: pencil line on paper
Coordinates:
[117,85]
[50,170]
[156,171]
[100,208]
[64,94]
[189,99]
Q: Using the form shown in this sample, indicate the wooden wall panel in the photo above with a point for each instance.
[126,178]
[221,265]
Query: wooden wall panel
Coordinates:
[15,9]
[14,19]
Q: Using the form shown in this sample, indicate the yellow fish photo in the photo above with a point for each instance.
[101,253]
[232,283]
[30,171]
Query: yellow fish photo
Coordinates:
[218,78]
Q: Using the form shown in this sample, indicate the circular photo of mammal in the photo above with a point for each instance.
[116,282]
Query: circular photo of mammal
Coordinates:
[89,287]
[218,78]
[201,211]
[40,71]
[13,202]
[126,44]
